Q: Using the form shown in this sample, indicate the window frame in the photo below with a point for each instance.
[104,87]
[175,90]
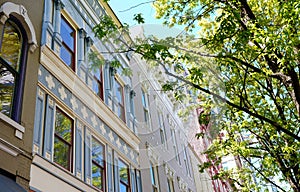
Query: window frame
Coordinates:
[121,105]
[65,45]
[128,185]
[145,104]
[154,177]
[71,143]
[99,80]
[162,128]
[102,168]
[186,161]
[17,98]
[175,146]
[171,185]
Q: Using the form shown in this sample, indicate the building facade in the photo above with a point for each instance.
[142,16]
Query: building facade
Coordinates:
[20,22]
[74,121]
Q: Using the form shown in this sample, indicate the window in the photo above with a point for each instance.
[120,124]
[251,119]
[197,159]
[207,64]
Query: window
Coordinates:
[124,177]
[98,165]
[51,16]
[185,158]
[120,97]
[138,181]
[154,178]
[145,107]
[12,68]
[162,128]
[173,135]
[170,185]
[63,140]
[67,51]
[98,82]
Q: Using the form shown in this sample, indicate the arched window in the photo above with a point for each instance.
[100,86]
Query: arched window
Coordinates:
[13,49]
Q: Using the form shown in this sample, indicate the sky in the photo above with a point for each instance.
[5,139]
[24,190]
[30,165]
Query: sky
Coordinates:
[125,10]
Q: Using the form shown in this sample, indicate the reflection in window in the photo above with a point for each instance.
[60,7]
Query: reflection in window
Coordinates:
[98,165]
[10,72]
[95,65]
[124,176]
[7,86]
[120,98]
[63,139]
[97,82]
[67,51]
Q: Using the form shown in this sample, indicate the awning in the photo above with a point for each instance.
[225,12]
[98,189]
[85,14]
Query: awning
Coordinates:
[9,185]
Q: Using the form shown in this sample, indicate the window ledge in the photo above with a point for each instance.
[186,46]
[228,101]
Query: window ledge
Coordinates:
[9,148]
[19,128]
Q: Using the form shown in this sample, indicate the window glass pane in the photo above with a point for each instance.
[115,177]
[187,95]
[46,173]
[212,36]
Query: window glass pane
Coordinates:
[51,11]
[146,116]
[11,45]
[98,153]
[123,171]
[152,174]
[97,73]
[61,153]
[144,101]
[123,187]
[63,139]
[119,92]
[67,34]
[96,87]
[97,176]
[7,86]
[66,56]
[119,95]
[63,126]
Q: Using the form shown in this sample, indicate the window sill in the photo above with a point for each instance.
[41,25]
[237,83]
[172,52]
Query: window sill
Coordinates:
[57,175]
[19,128]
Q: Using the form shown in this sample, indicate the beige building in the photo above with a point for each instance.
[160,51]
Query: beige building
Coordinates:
[71,121]
[20,24]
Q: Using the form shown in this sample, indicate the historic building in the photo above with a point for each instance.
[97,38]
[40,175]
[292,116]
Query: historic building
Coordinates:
[20,22]
[71,120]
[85,135]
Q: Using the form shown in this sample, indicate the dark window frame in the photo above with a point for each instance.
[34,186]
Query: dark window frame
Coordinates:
[70,144]
[99,81]
[121,182]
[65,45]
[17,97]
[102,168]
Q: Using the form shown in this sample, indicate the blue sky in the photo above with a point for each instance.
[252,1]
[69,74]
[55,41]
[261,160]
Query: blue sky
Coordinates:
[125,11]
[126,16]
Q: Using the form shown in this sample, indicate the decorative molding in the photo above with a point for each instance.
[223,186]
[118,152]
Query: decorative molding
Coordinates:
[86,111]
[170,173]
[89,42]
[153,157]
[20,12]
[82,33]
[19,128]
[59,5]
[181,184]
[9,148]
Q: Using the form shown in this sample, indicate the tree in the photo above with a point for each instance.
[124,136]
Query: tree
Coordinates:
[251,48]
